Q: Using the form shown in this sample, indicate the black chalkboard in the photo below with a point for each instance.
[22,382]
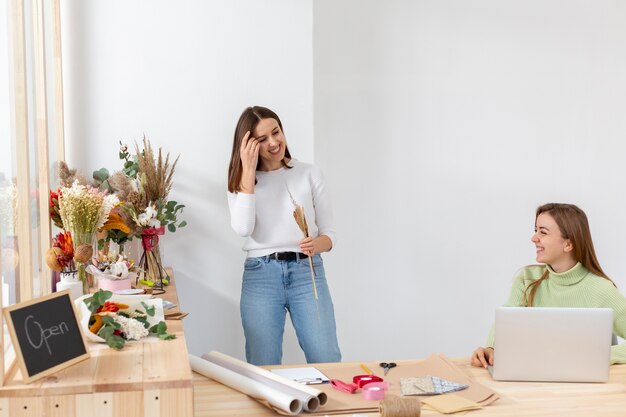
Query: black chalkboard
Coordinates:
[46,335]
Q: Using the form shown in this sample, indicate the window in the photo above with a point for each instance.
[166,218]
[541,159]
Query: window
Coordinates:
[31,132]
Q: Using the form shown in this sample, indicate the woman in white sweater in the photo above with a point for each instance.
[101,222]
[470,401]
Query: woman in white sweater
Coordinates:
[277,277]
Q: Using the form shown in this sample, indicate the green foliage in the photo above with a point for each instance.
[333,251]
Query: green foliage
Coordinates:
[101,180]
[97,300]
[168,214]
[131,166]
[107,332]
[160,330]
[149,309]
[116,236]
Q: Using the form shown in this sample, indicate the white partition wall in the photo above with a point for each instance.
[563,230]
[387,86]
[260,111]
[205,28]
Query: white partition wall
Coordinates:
[442,125]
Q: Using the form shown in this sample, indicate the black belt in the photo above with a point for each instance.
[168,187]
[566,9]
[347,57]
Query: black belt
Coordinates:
[288,256]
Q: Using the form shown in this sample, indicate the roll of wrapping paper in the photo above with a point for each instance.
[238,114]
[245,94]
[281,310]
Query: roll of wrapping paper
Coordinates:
[310,397]
[279,401]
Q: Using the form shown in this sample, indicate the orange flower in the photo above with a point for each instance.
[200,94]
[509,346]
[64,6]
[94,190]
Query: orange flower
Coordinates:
[116,222]
[64,241]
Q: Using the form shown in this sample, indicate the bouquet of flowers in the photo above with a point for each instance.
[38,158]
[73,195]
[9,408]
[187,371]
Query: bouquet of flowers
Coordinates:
[143,186]
[83,210]
[115,322]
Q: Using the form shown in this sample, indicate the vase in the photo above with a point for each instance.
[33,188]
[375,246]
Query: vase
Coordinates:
[154,275]
[84,251]
[69,281]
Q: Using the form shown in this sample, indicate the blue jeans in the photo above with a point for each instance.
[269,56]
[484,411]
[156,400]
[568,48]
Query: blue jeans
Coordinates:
[270,288]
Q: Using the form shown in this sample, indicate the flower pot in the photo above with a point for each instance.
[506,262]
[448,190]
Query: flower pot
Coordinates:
[114,285]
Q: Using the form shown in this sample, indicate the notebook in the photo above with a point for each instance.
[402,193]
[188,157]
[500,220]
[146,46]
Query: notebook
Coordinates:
[552,344]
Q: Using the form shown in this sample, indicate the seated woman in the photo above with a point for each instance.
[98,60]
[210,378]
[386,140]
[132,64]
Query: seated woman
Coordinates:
[570,276]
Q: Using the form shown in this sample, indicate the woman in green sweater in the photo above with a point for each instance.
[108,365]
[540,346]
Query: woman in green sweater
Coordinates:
[570,275]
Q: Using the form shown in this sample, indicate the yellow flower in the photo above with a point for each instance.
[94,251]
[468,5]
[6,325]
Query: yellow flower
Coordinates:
[116,222]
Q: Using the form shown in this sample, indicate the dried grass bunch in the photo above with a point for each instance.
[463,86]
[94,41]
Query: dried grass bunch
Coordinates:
[156,173]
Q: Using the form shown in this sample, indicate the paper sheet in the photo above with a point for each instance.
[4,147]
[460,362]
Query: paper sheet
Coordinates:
[451,403]
[308,375]
[436,364]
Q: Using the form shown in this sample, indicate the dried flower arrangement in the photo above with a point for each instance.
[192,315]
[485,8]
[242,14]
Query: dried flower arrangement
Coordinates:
[79,210]
[143,186]
[132,202]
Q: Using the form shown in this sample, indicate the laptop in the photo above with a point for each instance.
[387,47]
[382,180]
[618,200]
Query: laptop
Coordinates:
[552,344]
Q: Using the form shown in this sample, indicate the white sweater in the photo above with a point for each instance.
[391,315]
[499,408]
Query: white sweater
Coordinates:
[266,217]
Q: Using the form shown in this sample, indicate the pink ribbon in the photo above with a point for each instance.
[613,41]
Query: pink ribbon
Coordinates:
[150,237]
[343,386]
[374,391]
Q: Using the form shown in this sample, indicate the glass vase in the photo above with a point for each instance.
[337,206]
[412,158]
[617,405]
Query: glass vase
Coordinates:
[154,274]
[84,251]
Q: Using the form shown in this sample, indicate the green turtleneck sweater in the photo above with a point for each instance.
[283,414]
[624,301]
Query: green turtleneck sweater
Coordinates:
[574,288]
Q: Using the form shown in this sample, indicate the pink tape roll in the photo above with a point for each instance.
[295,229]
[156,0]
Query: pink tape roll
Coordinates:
[375,391]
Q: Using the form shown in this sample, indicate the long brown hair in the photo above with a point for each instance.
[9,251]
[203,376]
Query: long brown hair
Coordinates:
[248,121]
[574,226]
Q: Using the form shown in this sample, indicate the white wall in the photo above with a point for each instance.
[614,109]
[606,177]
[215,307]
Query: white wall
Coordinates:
[182,72]
[441,126]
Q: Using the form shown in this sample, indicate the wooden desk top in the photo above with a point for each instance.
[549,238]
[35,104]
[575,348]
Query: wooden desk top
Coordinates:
[536,399]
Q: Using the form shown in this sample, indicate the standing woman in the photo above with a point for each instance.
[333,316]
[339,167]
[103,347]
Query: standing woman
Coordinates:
[569,275]
[277,277]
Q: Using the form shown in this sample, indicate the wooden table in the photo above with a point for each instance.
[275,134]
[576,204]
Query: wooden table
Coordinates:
[528,399]
[151,378]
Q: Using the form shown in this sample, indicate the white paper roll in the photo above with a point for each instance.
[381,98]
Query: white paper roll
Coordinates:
[277,399]
[76,288]
[311,398]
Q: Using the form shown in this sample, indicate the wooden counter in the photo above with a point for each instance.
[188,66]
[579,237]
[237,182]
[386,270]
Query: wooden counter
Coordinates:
[537,399]
[146,378]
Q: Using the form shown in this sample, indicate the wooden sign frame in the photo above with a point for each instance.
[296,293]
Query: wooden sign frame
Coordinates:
[40,341]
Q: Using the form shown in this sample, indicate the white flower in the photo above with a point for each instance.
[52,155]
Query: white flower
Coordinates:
[119,269]
[142,219]
[132,329]
[149,218]
[151,211]
[109,202]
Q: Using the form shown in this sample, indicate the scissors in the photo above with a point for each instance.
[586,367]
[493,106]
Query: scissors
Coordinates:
[387,366]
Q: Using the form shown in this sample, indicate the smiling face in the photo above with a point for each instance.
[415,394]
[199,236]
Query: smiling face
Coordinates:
[552,248]
[272,144]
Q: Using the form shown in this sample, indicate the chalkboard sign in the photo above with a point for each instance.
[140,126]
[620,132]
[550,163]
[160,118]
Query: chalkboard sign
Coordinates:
[46,335]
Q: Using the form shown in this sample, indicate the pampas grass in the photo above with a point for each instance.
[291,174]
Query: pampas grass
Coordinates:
[156,173]
[67,176]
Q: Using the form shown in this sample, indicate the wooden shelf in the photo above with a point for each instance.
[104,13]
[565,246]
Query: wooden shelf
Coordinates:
[145,378]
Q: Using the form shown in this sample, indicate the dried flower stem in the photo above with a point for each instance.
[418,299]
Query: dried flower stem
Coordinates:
[298,215]
[155,172]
